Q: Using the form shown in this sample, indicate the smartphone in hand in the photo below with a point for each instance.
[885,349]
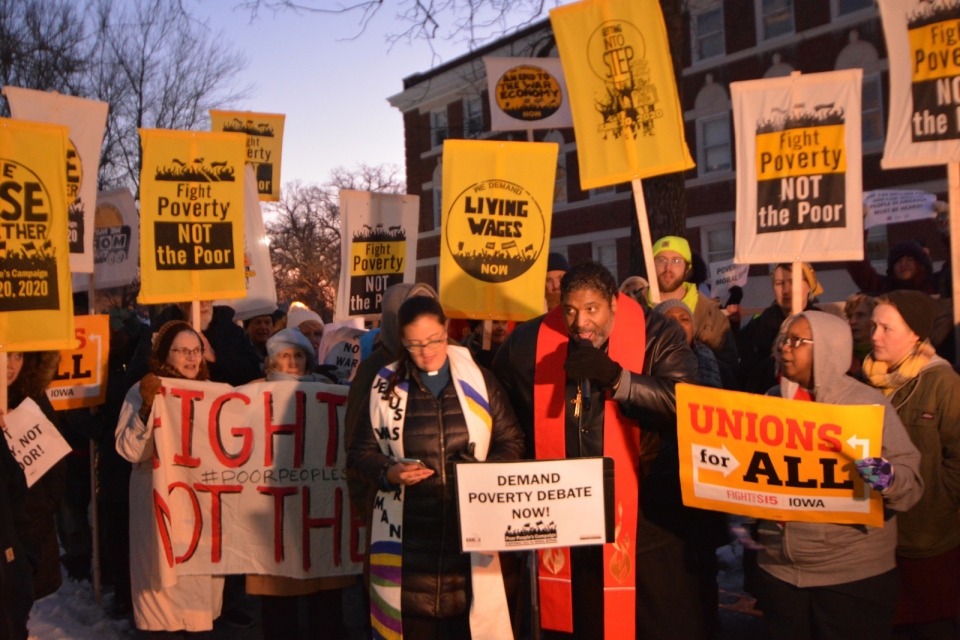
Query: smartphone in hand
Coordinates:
[415,461]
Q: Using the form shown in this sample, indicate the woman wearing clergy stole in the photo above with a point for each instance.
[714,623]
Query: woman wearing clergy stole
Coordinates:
[434,405]
[925,392]
[190,604]
[835,581]
[290,356]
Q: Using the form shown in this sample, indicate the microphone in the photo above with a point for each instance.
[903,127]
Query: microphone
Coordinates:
[585,382]
[736,295]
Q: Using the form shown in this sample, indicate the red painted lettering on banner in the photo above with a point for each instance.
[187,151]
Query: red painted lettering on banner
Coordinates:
[295,429]
[229,460]
[357,524]
[162,512]
[278,493]
[187,398]
[333,424]
[322,523]
[216,535]
[197,520]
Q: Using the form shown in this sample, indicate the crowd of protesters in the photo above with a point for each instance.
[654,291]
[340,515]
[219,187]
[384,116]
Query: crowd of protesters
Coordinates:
[887,346]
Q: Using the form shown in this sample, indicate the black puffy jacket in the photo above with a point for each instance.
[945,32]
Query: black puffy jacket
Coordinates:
[436,575]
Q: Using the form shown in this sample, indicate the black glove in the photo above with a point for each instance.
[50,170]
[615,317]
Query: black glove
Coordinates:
[467,455]
[586,361]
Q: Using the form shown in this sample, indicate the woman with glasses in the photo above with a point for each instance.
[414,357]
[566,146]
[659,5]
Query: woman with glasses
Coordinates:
[188,607]
[430,409]
[925,392]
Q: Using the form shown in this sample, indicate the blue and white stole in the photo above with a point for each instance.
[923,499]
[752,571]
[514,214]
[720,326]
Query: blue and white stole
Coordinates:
[489,617]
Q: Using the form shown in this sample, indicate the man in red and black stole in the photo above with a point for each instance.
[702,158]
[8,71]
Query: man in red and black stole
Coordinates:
[596,377]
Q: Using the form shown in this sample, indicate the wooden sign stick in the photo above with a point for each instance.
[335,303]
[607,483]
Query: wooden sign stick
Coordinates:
[645,241]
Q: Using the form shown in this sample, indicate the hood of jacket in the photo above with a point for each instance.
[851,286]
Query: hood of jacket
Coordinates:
[393,297]
[832,354]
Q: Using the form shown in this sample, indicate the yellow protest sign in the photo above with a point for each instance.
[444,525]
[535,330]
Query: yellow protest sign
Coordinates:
[777,459]
[36,306]
[264,133]
[191,216]
[495,231]
[81,379]
[623,93]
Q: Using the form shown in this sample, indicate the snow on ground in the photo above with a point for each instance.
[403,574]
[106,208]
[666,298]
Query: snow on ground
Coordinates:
[73,613]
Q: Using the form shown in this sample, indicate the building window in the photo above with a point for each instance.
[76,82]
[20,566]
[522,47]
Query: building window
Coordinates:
[599,192]
[776,18]
[718,241]
[437,195]
[849,6]
[876,245]
[439,131]
[560,180]
[872,105]
[707,34]
[472,117]
[713,144]
[606,254]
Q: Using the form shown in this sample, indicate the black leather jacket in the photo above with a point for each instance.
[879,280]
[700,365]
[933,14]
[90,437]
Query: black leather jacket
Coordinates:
[436,575]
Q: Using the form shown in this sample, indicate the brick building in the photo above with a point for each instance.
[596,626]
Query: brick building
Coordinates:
[725,41]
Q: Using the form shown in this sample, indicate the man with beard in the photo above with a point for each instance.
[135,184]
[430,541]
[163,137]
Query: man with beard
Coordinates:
[595,377]
[673,261]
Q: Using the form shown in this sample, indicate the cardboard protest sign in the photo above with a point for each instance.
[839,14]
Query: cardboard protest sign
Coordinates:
[35,443]
[726,274]
[378,248]
[191,214]
[252,480]
[527,93]
[36,307]
[799,178]
[623,92]
[340,349]
[87,120]
[116,242]
[495,229]
[510,506]
[924,124]
[81,379]
[257,270]
[777,459]
[264,133]
[890,206]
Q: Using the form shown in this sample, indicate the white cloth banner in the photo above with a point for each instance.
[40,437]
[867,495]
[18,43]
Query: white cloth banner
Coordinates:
[527,93]
[252,480]
[87,120]
[33,440]
[799,168]
[261,288]
[378,248]
[924,124]
[726,274]
[116,242]
[888,207]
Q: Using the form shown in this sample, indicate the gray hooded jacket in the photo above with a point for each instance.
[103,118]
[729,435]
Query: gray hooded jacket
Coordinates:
[809,554]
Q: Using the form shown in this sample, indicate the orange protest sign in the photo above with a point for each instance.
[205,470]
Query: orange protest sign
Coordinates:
[777,459]
[81,379]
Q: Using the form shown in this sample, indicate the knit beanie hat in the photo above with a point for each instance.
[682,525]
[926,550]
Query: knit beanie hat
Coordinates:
[673,243]
[910,248]
[673,303]
[556,262]
[300,313]
[289,339]
[916,308]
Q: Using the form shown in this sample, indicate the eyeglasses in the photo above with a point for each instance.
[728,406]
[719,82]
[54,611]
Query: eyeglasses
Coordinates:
[188,353]
[420,348]
[794,341]
[662,262]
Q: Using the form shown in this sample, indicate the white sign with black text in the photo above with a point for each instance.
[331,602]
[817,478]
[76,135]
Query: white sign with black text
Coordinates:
[726,274]
[33,440]
[513,506]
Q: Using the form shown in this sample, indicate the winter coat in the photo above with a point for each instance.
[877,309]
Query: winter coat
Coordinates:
[712,328]
[46,494]
[436,575]
[16,579]
[929,406]
[809,554]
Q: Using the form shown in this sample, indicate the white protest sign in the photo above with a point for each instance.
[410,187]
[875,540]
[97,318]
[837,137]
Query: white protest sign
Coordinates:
[116,242]
[726,274]
[511,506]
[527,93]
[340,349]
[887,207]
[252,479]
[261,289]
[34,442]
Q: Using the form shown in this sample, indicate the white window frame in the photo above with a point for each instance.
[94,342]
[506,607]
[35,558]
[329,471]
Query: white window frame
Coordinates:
[761,23]
[474,101]
[695,36]
[835,9]
[702,168]
[875,78]
[705,241]
[437,189]
[436,116]
[877,234]
[597,246]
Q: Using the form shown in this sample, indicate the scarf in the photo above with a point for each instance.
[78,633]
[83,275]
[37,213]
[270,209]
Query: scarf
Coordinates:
[621,441]
[489,618]
[888,379]
[690,296]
